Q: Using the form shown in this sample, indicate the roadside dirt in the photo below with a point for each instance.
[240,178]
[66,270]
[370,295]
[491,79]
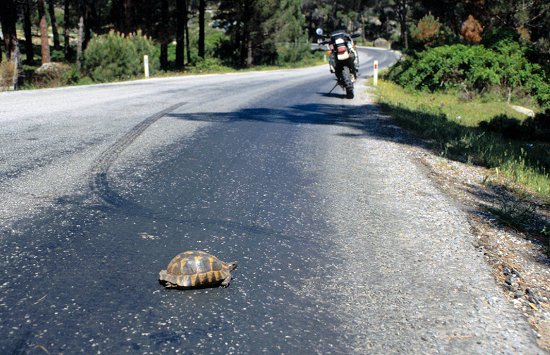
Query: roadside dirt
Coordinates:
[518,256]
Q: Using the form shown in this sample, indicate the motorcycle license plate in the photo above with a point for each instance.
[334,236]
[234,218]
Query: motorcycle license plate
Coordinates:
[343,56]
[339,41]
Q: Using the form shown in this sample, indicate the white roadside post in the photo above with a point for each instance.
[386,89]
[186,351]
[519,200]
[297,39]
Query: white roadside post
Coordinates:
[146,65]
[375,78]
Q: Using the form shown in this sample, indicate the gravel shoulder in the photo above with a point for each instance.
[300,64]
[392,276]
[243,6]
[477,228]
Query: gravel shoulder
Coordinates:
[518,260]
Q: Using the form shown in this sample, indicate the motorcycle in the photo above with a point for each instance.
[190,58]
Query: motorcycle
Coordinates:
[344,60]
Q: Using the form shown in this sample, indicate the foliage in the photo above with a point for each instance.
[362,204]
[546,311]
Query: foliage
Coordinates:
[454,129]
[7,73]
[54,75]
[471,30]
[250,40]
[427,30]
[477,69]
[288,25]
[145,46]
[208,65]
[117,57]
[533,128]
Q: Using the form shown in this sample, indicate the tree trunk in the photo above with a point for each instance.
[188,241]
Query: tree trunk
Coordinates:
[181,9]
[8,16]
[164,35]
[16,59]
[44,33]
[249,57]
[87,12]
[66,33]
[128,18]
[187,46]
[53,20]
[80,42]
[402,9]
[363,30]
[27,27]
[202,10]
[164,56]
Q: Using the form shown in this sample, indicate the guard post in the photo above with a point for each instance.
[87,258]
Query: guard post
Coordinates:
[375,77]
[146,65]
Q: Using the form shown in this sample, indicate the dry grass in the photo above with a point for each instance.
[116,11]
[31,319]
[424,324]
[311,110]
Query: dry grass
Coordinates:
[7,74]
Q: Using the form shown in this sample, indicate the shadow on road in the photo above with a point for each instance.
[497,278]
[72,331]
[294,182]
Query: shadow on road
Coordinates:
[368,121]
[365,120]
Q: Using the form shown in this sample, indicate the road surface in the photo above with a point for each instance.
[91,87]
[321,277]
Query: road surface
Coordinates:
[343,244]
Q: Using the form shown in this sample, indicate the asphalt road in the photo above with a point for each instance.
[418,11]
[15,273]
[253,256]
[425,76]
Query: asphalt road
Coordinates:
[343,244]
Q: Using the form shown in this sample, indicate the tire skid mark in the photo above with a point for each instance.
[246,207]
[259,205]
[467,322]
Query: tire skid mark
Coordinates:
[99,183]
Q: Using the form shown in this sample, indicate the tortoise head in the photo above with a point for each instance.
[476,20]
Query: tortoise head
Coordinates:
[230,266]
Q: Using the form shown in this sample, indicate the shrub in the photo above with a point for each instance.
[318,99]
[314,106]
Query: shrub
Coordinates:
[382,43]
[116,57]
[538,127]
[533,128]
[426,31]
[475,68]
[144,46]
[471,30]
[210,65]
[293,52]
[7,74]
[53,75]
[506,126]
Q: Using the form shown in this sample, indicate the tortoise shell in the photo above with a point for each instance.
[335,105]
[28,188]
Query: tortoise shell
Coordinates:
[196,269]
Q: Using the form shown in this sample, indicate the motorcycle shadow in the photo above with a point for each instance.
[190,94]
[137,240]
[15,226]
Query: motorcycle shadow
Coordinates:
[332,94]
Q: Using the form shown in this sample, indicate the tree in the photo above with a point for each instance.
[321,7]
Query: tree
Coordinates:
[202,10]
[471,30]
[45,45]
[244,21]
[289,25]
[67,24]
[402,10]
[53,21]
[27,28]
[181,9]
[163,34]
[426,31]
[80,40]
[8,17]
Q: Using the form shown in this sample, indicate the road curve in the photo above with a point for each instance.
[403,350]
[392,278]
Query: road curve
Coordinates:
[343,244]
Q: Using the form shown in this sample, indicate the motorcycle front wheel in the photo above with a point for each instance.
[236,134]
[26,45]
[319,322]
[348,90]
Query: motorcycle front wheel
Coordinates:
[348,82]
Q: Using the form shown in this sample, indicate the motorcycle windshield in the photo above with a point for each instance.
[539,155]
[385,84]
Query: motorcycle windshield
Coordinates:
[337,34]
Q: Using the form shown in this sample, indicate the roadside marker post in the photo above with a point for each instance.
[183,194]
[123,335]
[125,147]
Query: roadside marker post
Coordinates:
[146,65]
[375,78]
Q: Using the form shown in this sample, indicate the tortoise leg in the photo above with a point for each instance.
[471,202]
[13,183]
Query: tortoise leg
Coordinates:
[226,281]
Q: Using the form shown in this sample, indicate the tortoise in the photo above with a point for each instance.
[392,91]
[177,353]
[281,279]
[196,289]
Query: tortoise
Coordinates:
[196,269]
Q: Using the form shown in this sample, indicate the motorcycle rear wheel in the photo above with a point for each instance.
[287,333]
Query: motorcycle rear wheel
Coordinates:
[348,82]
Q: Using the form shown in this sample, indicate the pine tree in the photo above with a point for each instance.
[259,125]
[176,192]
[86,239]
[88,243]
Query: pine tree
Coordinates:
[45,45]
[289,24]
[53,20]
[8,16]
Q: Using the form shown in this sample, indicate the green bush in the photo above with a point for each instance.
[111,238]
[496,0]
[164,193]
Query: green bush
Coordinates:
[475,68]
[210,65]
[116,57]
[54,75]
[293,52]
[145,46]
[429,32]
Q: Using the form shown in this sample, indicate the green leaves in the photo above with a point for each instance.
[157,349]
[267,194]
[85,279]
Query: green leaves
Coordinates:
[116,57]
[475,68]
